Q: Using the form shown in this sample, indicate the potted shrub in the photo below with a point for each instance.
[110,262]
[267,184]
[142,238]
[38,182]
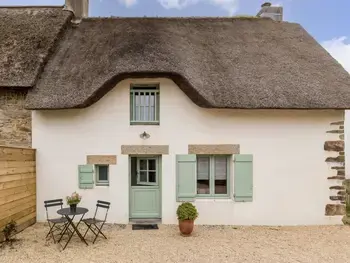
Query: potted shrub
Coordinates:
[186,214]
[73,200]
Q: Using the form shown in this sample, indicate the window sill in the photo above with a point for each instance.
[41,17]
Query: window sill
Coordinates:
[144,123]
[214,200]
[203,197]
[102,185]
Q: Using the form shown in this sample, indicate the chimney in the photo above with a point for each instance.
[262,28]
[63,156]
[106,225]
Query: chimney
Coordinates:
[274,12]
[80,9]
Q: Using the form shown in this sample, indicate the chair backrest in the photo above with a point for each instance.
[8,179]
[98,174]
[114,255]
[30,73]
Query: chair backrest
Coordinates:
[52,203]
[104,205]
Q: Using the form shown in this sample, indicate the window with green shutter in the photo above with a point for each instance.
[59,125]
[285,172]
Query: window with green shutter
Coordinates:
[243,178]
[102,174]
[144,105]
[86,176]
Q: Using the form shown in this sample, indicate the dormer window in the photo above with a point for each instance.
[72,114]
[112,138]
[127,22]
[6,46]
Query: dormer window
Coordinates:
[144,105]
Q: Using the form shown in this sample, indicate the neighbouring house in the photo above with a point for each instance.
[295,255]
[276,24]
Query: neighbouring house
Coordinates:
[244,116]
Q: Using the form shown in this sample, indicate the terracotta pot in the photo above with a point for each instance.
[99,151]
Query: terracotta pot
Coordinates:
[186,227]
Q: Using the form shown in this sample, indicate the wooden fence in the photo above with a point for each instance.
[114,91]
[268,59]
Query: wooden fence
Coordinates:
[17,187]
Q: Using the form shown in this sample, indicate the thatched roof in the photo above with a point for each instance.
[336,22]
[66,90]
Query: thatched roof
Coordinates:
[27,35]
[217,62]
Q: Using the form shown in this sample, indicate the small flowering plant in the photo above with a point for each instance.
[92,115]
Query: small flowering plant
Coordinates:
[73,199]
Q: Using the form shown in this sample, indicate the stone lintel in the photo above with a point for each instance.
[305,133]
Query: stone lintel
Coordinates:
[335,210]
[101,159]
[338,159]
[337,187]
[213,149]
[338,123]
[336,146]
[336,131]
[145,149]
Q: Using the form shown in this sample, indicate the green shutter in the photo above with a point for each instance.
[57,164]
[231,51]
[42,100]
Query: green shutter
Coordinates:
[186,177]
[243,178]
[86,176]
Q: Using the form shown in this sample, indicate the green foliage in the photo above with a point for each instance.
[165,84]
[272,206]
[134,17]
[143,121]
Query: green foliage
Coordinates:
[347,208]
[9,230]
[73,199]
[186,211]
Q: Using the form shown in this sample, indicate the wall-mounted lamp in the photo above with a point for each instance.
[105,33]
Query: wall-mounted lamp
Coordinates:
[144,135]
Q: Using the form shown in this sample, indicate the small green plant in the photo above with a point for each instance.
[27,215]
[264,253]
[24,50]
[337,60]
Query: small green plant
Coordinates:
[186,211]
[9,230]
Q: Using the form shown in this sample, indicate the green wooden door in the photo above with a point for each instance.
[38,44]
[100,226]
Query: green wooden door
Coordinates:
[145,187]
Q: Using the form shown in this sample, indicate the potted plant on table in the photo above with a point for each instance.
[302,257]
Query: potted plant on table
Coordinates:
[73,200]
[186,214]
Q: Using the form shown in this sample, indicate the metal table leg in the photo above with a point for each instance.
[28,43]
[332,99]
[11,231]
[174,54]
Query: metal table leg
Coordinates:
[75,229]
[64,230]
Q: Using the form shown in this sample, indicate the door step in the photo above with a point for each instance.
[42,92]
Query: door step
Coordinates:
[144,227]
[145,221]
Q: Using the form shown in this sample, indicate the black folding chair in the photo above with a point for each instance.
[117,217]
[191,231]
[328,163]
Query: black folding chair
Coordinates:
[55,224]
[94,222]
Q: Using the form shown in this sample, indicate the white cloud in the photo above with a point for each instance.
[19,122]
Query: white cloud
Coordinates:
[229,5]
[178,4]
[339,48]
[128,3]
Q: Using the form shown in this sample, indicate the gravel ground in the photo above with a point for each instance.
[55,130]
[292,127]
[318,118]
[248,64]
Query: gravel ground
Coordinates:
[207,244]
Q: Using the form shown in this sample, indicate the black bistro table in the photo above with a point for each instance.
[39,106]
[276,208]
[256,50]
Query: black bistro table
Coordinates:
[70,215]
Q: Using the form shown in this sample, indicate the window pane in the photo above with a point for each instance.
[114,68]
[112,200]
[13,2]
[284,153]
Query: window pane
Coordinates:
[137,107]
[220,175]
[203,168]
[142,114]
[146,108]
[137,99]
[220,186]
[152,116]
[203,175]
[143,164]
[152,99]
[220,168]
[143,177]
[203,187]
[151,165]
[152,177]
[103,173]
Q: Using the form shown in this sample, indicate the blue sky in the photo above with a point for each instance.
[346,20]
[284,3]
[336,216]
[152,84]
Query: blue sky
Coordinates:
[327,21]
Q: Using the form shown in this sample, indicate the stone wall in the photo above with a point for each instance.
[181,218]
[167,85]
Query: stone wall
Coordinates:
[336,161]
[15,121]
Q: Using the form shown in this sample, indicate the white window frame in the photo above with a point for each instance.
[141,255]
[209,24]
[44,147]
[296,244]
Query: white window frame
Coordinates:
[212,177]
[139,182]
[135,89]
[98,181]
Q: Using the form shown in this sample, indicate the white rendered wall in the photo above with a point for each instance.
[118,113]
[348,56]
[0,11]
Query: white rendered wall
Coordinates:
[347,143]
[290,173]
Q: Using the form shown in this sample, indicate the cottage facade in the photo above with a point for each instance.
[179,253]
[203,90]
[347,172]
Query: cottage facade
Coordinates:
[287,183]
[233,114]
